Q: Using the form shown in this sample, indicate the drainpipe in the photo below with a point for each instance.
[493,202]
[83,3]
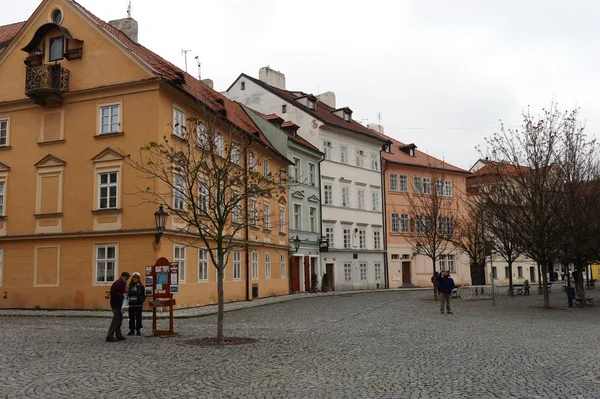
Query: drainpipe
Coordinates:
[321,214]
[386,271]
[246,228]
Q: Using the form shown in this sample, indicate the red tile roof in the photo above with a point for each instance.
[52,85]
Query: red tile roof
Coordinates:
[420,159]
[322,111]
[8,32]
[286,124]
[190,85]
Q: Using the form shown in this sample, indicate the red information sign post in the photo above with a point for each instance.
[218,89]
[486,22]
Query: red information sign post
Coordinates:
[163,277]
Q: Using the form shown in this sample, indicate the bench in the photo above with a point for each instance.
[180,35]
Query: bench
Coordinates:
[517,289]
[454,293]
[580,302]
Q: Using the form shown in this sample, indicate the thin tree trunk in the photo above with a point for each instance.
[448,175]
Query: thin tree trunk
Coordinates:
[221,301]
[540,279]
[510,279]
[580,281]
[545,285]
[435,282]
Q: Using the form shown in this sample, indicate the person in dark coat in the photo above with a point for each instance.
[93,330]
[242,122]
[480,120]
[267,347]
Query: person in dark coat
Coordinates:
[435,280]
[118,291]
[137,296]
[445,287]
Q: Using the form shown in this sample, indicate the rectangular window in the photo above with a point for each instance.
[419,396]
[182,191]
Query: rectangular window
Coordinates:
[329,235]
[343,154]
[179,258]
[403,183]
[439,188]
[446,225]
[423,224]
[296,169]
[520,271]
[376,240]
[242,85]
[506,272]
[346,196]
[235,153]
[404,223]
[283,108]
[2,184]
[109,119]
[447,188]
[267,265]
[282,221]
[267,217]
[203,198]
[253,162]
[327,149]
[266,169]
[202,265]
[4,133]
[106,263]
[312,173]
[253,213]
[313,219]
[219,144]
[393,182]
[328,194]
[361,198]
[107,190]
[347,272]
[450,260]
[237,265]
[254,265]
[297,217]
[446,262]
[374,162]
[442,262]
[201,135]
[418,183]
[395,223]
[362,238]
[56,49]
[494,272]
[395,256]
[363,271]
[178,122]
[282,265]
[178,195]
[377,267]
[360,161]
[347,238]
[375,197]
[426,185]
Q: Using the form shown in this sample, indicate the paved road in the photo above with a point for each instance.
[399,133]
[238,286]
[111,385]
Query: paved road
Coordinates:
[373,345]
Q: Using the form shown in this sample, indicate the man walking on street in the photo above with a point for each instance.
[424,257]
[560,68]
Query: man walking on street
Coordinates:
[445,287]
[117,292]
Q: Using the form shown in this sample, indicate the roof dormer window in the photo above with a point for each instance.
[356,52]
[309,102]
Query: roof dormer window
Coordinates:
[310,104]
[408,149]
[347,116]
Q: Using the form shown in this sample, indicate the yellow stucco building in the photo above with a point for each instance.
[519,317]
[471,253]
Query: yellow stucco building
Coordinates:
[76,93]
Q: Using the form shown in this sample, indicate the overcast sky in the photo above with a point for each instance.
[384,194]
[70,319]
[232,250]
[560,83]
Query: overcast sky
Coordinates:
[441,74]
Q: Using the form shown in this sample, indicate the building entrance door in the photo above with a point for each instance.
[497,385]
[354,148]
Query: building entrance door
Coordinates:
[406,274]
[296,273]
[307,275]
[532,274]
[330,275]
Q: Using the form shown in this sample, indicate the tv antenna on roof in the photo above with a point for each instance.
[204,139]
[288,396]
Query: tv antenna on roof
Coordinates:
[199,67]
[184,53]
[129,10]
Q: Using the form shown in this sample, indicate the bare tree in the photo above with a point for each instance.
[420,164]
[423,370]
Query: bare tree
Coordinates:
[432,214]
[503,238]
[469,235]
[206,174]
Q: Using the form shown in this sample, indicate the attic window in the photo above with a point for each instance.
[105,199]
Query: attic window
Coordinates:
[411,152]
[243,86]
[57,16]
[347,116]
[284,108]
[311,104]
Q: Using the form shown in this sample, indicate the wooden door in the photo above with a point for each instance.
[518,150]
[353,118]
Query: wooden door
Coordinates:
[295,273]
[330,275]
[406,273]
[307,274]
[532,274]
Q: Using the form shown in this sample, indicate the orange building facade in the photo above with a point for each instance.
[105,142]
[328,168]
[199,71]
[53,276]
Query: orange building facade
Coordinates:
[77,93]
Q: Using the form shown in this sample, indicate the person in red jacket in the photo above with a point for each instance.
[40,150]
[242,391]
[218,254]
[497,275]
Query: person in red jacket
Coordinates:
[118,291]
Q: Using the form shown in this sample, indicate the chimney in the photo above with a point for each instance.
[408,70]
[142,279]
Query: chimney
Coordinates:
[208,82]
[128,26]
[272,77]
[376,127]
[327,98]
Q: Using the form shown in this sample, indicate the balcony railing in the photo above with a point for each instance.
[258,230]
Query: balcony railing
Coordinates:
[45,84]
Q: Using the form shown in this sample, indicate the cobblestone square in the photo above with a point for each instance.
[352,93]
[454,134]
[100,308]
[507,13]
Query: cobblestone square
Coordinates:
[372,345]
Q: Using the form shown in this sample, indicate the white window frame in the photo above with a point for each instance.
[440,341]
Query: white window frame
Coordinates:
[418,184]
[179,257]
[202,265]
[327,149]
[447,188]
[110,108]
[178,192]
[439,188]
[344,154]
[376,239]
[297,216]
[178,122]
[108,186]
[404,223]
[235,153]
[375,198]
[328,194]
[4,132]
[282,265]
[426,185]
[281,220]
[312,217]
[364,273]
[362,238]
[201,136]
[237,265]
[266,168]
[312,173]
[347,272]
[393,182]
[219,144]
[360,196]
[347,234]
[2,197]
[254,265]
[267,217]
[267,265]
[346,196]
[377,269]
[106,260]
[330,234]
[360,161]
[403,183]
[296,168]
[374,161]
[253,212]
[253,162]
[203,198]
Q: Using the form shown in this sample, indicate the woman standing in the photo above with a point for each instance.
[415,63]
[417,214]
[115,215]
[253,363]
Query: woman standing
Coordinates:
[137,296]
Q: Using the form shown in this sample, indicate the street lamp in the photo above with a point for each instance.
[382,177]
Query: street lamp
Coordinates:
[160,218]
[296,244]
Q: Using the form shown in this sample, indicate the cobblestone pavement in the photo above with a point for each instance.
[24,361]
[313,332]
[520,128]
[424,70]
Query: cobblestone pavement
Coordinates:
[371,345]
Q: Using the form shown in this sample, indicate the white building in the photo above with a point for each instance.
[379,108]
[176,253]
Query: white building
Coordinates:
[351,184]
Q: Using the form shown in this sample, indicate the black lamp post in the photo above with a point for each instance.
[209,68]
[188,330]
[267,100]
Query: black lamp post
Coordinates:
[160,218]
[296,244]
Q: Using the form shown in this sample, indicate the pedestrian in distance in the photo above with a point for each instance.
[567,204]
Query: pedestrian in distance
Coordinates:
[445,287]
[118,292]
[526,287]
[137,296]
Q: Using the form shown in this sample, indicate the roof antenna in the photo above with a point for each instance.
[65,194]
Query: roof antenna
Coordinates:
[199,67]
[379,120]
[184,53]
[129,10]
